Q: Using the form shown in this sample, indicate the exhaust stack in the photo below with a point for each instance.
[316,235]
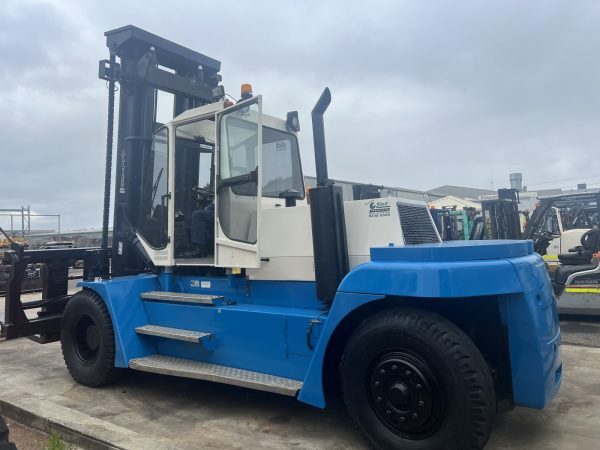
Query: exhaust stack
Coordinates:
[319,137]
[327,215]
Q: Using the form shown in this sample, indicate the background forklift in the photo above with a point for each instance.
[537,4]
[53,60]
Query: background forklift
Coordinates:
[221,271]
[566,217]
[454,224]
[565,231]
[500,218]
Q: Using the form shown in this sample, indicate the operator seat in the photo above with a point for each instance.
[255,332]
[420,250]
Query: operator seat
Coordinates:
[582,254]
[579,259]
[202,232]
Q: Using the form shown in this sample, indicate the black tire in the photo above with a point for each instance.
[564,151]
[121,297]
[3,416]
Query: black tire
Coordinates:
[413,380]
[88,340]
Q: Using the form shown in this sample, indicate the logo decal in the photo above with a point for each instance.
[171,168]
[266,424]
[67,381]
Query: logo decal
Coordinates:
[379,208]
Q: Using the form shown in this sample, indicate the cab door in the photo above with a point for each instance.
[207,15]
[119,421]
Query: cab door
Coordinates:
[238,185]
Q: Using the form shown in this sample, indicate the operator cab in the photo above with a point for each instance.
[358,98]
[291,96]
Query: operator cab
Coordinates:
[209,172]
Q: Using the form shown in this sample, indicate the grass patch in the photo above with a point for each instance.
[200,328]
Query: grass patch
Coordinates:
[55,442]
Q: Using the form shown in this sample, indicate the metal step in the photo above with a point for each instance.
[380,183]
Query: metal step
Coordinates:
[174,333]
[181,297]
[168,365]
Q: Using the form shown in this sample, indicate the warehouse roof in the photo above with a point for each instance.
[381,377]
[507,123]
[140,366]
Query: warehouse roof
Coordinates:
[460,192]
[454,202]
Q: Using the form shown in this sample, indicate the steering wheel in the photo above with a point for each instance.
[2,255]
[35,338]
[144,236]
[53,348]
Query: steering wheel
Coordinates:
[546,235]
[203,194]
[541,241]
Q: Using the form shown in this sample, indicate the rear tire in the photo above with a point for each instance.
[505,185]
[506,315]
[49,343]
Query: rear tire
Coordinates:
[412,379]
[88,340]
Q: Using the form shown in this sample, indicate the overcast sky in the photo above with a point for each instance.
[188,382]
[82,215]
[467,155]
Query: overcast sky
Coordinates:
[425,93]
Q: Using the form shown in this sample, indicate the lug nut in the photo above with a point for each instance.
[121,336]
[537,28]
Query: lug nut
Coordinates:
[415,416]
[418,386]
[408,373]
[394,367]
[388,412]
[402,419]
[379,399]
[382,372]
[421,403]
[377,384]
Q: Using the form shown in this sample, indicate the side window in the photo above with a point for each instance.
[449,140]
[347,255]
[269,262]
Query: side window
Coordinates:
[204,174]
[238,161]
[152,224]
[238,174]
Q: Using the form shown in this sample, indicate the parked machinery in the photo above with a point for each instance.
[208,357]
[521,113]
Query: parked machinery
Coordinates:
[221,271]
[32,280]
[501,216]
[576,277]
[454,224]
[366,191]
[566,217]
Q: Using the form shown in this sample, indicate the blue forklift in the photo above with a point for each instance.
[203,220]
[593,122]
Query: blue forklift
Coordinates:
[223,268]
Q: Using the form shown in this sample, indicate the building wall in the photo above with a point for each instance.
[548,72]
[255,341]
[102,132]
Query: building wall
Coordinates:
[387,191]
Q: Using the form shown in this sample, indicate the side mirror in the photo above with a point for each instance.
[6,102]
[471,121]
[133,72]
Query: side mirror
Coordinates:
[292,123]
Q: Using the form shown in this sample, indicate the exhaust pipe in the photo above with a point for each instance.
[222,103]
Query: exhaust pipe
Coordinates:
[327,216]
[319,137]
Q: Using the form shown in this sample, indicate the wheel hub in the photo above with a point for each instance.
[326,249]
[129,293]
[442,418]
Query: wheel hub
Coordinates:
[86,339]
[405,395]
[92,337]
[398,395]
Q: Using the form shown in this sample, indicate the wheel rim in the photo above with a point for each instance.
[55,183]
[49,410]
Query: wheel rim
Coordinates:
[86,339]
[406,395]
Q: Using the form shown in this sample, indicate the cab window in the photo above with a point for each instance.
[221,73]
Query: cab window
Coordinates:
[152,223]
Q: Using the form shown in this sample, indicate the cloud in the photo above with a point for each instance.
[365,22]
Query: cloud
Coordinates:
[424,93]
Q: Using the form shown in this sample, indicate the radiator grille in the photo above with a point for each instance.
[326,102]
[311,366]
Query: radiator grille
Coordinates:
[417,226]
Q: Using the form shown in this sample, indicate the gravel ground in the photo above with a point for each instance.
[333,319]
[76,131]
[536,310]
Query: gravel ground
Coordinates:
[26,438]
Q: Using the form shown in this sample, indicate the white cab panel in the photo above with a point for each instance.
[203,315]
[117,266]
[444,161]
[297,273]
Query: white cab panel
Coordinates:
[371,223]
[285,245]
[286,237]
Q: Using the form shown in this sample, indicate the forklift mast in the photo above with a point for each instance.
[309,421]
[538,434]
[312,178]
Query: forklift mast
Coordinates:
[146,65]
[501,218]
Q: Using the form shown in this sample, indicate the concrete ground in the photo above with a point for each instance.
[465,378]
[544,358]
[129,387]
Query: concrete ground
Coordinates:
[578,330]
[153,411]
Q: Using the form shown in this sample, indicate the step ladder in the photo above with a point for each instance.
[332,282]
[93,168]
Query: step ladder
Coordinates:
[169,365]
[182,297]
[199,337]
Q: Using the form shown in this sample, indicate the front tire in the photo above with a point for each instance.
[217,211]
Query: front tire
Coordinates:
[413,380]
[88,340]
